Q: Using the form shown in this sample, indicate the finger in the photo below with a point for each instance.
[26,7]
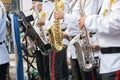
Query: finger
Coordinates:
[79,21]
[55,15]
[80,25]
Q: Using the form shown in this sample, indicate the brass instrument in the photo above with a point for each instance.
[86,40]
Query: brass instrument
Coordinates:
[39,29]
[33,35]
[55,33]
[84,50]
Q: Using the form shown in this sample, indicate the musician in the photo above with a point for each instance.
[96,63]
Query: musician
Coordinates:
[38,10]
[107,26]
[33,5]
[58,63]
[4,57]
[41,60]
[71,19]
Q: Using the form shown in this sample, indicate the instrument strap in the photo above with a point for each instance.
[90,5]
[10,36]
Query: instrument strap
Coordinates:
[99,10]
[51,15]
[84,4]
[82,7]
[72,6]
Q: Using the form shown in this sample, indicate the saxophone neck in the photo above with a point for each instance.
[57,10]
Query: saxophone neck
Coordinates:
[56,4]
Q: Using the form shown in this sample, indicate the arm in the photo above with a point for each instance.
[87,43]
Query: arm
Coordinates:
[91,7]
[73,15]
[109,24]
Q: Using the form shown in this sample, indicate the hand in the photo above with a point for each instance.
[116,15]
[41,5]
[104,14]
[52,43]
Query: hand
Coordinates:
[81,22]
[58,15]
[63,35]
[95,47]
[40,22]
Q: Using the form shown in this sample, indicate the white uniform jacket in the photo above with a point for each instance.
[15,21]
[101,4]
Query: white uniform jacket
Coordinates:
[107,25]
[4,57]
[71,18]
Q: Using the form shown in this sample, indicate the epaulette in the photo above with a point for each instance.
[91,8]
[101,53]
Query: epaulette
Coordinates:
[43,14]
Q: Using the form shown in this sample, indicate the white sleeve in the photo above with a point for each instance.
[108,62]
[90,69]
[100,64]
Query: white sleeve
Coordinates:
[70,18]
[109,24]
[66,6]
[91,7]
[73,16]
[1,14]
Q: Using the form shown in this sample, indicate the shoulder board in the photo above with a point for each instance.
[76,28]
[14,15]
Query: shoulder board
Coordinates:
[43,14]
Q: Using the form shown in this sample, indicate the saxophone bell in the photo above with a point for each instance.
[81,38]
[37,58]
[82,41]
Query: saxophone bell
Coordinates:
[84,52]
[55,38]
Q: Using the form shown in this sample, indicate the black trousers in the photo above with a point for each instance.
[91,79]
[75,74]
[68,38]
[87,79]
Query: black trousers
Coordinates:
[111,76]
[59,68]
[3,71]
[97,74]
[78,74]
[42,66]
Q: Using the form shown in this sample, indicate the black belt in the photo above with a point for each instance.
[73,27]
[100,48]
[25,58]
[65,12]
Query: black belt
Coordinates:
[2,42]
[70,37]
[110,50]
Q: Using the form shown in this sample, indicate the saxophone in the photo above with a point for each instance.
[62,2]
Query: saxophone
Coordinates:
[55,33]
[39,29]
[84,50]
